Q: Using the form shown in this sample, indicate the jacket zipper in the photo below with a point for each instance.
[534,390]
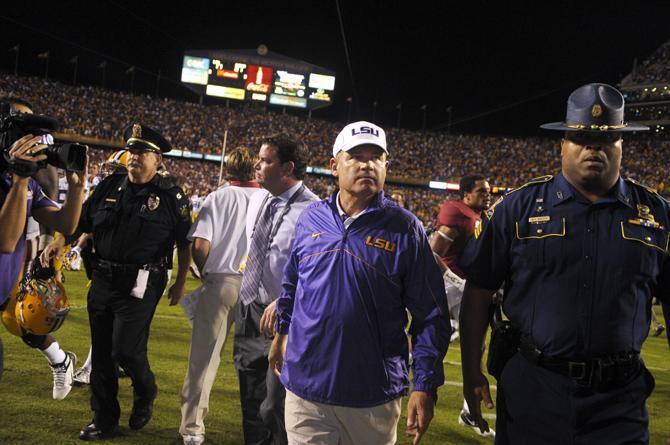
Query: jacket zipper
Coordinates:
[372,326]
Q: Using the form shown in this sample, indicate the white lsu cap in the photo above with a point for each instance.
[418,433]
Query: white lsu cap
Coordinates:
[359,133]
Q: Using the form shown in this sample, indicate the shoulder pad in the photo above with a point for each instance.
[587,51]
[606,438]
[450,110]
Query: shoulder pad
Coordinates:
[539,180]
[646,187]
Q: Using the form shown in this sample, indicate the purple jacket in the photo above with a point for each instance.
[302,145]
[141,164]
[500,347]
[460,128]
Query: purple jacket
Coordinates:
[11,263]
[343,304]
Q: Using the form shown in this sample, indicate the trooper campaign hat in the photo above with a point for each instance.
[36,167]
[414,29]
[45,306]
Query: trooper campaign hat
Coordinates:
[140,136]
[596,107]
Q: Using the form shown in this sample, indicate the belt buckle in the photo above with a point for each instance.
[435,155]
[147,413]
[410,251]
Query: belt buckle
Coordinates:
[577,366]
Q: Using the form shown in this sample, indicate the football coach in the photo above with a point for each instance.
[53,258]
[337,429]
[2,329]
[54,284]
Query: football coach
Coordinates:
[358,263]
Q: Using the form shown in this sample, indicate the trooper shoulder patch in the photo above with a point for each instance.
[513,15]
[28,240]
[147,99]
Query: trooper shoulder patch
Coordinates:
[538,180]
[646,187]
[492,209]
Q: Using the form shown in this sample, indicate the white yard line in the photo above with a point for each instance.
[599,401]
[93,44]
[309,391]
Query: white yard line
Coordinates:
[654,368]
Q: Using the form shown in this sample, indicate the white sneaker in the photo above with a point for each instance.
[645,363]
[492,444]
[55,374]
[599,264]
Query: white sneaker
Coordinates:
[63,374]
[82,376]
[193,439]
[454,336]
[464,419]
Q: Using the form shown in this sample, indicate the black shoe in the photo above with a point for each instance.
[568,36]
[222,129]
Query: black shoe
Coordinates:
[659,330]
[92,432]
[140,415]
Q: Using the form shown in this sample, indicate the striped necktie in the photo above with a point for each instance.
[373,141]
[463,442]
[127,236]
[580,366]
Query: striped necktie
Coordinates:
[258,250]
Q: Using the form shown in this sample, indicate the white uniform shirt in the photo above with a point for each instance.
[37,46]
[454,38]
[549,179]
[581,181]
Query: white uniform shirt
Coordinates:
[280,248]
[63,187]
[221,221]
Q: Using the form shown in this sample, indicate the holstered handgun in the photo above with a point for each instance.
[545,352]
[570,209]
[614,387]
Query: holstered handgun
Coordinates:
[503,345]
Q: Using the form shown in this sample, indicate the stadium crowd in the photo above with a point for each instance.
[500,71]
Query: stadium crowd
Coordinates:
[506,161]
[134,236]
[655,68]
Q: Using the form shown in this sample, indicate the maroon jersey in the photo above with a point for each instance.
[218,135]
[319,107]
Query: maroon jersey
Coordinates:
[458,215]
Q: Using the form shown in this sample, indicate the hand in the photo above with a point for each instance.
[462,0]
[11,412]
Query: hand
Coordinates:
[267,323]
[52,250]
[476,390]
[78,179]
[276,354]
[29,149]
[176,291]
[419,414]
[82,241]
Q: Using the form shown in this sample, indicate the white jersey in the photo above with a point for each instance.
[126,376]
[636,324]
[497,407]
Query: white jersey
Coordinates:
[196,203]
[63,186]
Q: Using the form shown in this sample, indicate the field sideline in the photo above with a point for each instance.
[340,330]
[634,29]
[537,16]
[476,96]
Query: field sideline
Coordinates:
[28,414]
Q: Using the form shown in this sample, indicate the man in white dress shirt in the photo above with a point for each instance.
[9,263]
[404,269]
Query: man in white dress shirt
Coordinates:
[271,220]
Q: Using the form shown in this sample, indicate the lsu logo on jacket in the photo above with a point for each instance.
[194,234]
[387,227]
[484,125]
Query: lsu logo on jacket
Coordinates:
[380,243]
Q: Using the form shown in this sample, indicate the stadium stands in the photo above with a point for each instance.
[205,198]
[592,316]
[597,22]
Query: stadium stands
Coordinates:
[507,161]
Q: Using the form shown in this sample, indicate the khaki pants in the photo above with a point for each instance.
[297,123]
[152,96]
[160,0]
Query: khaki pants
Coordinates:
[211,323]
[311,423]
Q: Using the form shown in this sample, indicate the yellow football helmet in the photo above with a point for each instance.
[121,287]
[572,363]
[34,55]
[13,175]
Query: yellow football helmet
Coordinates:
[117,161]
[9,314]
[41,306]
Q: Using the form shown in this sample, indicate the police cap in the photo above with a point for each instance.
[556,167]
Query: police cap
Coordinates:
[140,136]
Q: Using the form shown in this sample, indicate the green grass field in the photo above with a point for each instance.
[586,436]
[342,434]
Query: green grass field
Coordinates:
[28,414]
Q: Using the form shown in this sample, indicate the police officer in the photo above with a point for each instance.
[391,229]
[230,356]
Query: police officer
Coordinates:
[581,255]
[135,220]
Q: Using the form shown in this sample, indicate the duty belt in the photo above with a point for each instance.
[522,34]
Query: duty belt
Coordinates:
[601,373]
[114,267]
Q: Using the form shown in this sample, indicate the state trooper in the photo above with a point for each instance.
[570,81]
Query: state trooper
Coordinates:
[135,220]
[581,254]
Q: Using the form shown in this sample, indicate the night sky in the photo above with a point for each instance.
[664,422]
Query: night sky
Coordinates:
[504,67]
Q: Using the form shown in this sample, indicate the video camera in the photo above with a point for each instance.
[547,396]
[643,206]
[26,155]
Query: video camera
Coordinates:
[13,126]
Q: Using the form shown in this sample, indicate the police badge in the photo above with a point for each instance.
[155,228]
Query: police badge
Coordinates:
[137,131]
[153,202]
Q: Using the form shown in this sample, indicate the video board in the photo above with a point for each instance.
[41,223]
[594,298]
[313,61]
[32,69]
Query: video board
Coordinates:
[237,78]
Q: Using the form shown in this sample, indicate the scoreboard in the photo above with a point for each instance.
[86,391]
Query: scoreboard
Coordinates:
[245,76]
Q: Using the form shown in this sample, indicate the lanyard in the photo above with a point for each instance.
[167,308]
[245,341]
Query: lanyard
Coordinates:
[286,209]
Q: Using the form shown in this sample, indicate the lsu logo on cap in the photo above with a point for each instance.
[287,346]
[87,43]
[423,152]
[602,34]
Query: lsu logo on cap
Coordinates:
[365,130]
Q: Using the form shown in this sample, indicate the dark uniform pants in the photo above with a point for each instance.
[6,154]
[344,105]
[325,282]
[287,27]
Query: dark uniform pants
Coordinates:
[119,334]
[261,393]
[535,405]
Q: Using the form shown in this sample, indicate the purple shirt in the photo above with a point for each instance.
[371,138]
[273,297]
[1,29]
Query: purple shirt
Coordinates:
[10,263]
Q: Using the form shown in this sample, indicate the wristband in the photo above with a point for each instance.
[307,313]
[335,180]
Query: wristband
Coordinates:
[445,236]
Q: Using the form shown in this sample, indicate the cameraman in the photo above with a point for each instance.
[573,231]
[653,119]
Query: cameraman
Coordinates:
[46,177]
[21,197]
